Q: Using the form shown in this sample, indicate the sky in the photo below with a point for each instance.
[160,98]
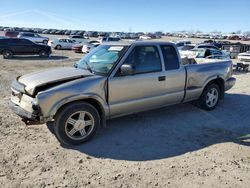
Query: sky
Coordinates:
[128,15]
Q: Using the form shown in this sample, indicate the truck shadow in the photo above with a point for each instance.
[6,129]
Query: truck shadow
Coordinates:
[172,131]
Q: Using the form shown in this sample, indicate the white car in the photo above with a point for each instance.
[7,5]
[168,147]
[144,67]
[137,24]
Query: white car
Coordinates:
[108,39]
[204,55]
[244,61]
[244,57]
[181,44]
[145,37]
[91,45]
[33,37]
[208,53]
[61,44]
[78,38]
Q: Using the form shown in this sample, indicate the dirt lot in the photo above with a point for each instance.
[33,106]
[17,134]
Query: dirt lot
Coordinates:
[179,146]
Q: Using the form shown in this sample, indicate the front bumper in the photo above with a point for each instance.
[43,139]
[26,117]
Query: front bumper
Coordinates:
[27,116]
[230,82]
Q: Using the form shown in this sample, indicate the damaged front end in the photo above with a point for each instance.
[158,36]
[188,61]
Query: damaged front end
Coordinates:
[24,105]
[27,91]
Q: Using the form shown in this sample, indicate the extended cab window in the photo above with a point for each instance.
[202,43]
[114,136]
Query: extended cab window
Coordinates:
[170,56]
[144,59]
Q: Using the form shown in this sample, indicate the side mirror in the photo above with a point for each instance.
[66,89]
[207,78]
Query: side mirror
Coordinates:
[127,69]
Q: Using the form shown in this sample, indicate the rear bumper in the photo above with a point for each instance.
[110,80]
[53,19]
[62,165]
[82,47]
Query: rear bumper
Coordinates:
[27,116]
[230,82]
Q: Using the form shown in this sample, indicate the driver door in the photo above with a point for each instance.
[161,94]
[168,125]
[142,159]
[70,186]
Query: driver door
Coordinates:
[142,90]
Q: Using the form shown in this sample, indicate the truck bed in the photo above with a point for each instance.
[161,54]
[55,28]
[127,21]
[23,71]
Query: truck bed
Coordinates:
[198,75]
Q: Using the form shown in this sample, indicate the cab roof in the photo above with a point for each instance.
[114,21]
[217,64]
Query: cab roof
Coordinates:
[128,43]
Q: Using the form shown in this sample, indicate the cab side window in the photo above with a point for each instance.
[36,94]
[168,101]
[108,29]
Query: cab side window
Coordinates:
[144,59]
[170,56]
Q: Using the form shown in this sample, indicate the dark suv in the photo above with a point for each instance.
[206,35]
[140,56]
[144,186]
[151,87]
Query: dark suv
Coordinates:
[16,46]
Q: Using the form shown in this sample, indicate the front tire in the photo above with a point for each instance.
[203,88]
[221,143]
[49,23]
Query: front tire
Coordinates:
[7,54]
[43,53]
[76,123]
[210,97]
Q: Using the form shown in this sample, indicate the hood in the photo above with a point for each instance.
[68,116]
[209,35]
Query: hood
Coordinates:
[51,77]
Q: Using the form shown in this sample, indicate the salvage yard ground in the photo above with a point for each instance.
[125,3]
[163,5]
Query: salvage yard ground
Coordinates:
[178,146]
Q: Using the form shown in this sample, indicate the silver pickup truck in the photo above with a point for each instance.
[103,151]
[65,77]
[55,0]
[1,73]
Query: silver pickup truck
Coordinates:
[116,79]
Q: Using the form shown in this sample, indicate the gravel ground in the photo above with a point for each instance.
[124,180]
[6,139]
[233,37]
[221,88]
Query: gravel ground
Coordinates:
[178,146]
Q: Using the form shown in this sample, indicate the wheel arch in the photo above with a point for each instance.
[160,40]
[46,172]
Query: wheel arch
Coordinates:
[2,50]
[218,81]
[94,102]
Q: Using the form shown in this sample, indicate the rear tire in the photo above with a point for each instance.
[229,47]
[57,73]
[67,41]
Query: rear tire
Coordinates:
[210,97]
[58,47]
[76,123]
[7,54]
[45,42]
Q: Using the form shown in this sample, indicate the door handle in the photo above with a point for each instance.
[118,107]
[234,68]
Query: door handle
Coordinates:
[161,78]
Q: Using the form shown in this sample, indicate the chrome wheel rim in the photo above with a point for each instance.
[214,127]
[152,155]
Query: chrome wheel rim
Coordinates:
[79,125]
[212,97]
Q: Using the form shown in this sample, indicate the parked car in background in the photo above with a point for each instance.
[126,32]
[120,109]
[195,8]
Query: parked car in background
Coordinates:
[212,54]
[17,46]
[109,39]
[244,57]
[78,38]
[244,61]
[77,48]
[36,38]
[90,46]
[85,47]
[245,38]
[67,32]
[181,44]
[205,55]
[234,37]
[218,44]
[204,51]
[11,34]
[60,44]
[145,37]
[187,47]
[91,34]
[206,46]
[46,31]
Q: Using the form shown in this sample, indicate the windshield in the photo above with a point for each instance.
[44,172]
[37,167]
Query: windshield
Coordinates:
[101,59]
